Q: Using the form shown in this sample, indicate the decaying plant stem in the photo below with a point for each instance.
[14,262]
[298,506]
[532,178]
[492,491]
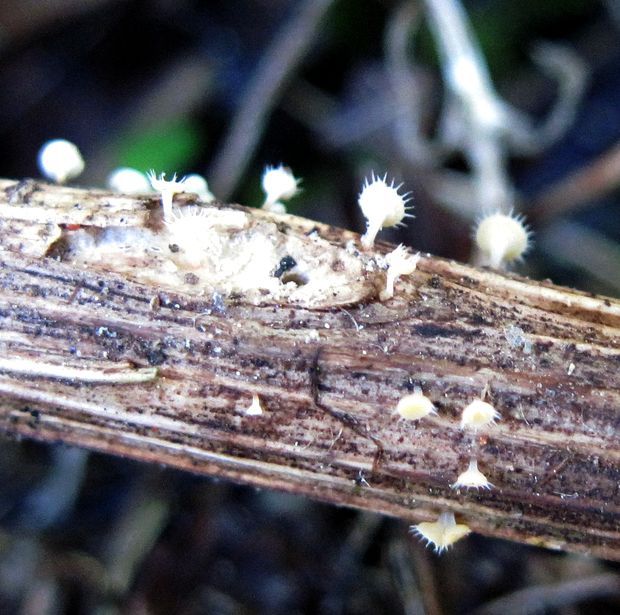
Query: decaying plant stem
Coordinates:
[328,375]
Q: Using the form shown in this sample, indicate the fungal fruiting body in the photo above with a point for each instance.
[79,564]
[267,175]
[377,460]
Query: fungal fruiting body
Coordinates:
[478,414]
[501,239]
[128,181]
[167,189]
[382,206]
[399,262]
[255,408]
[415,406]
[198,185]
[279,184]
[441,534]
[472,478]
[60,160]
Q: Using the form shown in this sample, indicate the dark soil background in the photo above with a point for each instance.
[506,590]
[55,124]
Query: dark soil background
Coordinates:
[157,84]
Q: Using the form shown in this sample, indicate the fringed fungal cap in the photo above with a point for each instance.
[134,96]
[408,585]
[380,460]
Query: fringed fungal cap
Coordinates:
[501,239]
[167,189]
[478,414]
[472,478]
[382,206]
[279,184]
[415,406]
[399,262]
[441,534]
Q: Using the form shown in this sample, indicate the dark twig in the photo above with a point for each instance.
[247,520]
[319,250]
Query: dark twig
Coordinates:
[273,71]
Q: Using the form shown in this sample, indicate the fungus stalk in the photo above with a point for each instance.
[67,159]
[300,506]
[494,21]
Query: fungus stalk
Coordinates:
[167,189]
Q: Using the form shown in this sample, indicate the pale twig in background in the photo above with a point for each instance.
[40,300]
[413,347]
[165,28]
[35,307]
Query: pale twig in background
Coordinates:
[580,189]
[539,598]
[475,120]
[402,569]
[410,105]
[145,516]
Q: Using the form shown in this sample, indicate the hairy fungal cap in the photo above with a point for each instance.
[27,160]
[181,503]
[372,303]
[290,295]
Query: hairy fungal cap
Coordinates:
[128,181]
[472,478]
[441,534]
[279,184]
[478,414]
[381,205]
[415,406]
[501,239]
[399,262]
[60,160]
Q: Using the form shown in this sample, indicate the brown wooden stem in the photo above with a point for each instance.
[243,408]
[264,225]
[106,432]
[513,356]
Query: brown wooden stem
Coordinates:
[328,377]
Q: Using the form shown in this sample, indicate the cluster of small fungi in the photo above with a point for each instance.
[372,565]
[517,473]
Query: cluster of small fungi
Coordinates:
[478,414]
[499,238]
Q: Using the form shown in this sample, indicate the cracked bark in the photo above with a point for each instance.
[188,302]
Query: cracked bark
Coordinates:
[328,378]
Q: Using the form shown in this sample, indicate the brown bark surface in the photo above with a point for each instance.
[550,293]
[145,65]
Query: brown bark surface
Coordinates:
[164,375]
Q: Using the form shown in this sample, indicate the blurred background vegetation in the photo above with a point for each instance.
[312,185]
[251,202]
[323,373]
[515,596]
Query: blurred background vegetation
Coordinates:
[223,88]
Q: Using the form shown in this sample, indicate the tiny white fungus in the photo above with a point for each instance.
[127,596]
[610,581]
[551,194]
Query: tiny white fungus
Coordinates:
[279,184]
[198,185]
[167,189]
[275,208]
[478,414]
[60,160]
[399,262]
[441,534]
[501,239]
[128,181]
[255,408]
[472,478]
[415,406]
[382,206]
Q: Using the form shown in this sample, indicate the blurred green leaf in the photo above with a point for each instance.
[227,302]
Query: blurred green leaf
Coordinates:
[170,147]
